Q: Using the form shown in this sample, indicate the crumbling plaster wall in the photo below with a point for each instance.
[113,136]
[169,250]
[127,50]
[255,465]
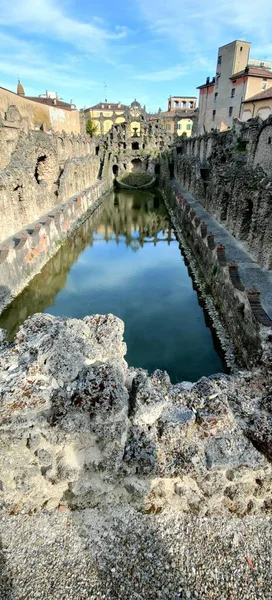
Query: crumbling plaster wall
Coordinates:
[38,114]
[231,174]
[39,170]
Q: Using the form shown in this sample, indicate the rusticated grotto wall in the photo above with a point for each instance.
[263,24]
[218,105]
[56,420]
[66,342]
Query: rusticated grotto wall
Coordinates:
[24,254]
[49,181]
[39,170]
[246,323]
[231,174]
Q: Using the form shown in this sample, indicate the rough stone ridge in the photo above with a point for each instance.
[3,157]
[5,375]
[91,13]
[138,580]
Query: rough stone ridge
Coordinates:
[81,428]
[230,174]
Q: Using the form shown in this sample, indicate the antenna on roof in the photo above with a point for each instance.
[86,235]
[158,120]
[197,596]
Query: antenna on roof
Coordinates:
[105,87]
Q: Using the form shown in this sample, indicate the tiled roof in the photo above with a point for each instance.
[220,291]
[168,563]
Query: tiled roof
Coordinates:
[260,96]
[178,112]
[253,71]
[187,97]
[50,102]
[212,82]
[107,106]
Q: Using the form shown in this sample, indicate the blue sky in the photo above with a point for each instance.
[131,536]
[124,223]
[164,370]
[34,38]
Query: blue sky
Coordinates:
[148,49]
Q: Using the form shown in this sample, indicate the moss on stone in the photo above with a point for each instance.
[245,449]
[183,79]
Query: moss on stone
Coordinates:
[136,179]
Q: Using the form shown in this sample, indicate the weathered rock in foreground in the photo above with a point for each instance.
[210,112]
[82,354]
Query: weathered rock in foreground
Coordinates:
[80,428]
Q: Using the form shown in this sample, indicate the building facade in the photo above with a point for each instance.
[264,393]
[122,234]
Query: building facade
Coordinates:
[259,105]
[178,118]
[104,115]
[42,112]
[237,78]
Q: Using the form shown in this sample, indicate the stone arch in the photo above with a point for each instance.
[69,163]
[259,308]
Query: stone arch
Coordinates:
[246,115]
[264,112]
[120,120]
[135,125]
[107,125]
[137,165]
[40,168]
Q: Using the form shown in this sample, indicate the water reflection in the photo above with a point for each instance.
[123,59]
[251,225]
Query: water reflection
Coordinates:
[125,259]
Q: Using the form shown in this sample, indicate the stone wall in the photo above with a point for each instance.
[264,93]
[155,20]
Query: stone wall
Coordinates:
[122,153]
[40,115]
[38,170]
[23,255]
[247,324]
[81,429]
[231,174]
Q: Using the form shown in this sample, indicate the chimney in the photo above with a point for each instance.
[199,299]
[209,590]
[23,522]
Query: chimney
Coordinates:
[207,80]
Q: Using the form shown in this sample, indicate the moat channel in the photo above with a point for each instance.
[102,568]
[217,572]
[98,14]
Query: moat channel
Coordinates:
[125,259]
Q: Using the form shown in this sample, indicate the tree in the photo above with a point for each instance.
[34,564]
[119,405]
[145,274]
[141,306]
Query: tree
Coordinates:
[91,127]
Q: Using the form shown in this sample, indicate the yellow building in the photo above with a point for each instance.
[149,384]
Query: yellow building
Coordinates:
[105,114]
[259,105]
[178,118]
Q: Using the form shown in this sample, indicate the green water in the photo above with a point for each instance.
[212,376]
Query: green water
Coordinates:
[126,260]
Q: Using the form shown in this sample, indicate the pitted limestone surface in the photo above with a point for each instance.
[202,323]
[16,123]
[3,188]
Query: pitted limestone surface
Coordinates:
[80,428]
[253,275]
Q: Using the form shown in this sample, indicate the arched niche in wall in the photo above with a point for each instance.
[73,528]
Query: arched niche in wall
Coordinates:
[137,165]
[135,128]
[264,112]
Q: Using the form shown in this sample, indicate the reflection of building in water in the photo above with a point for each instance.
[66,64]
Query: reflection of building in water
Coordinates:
[137,218]
[131,213]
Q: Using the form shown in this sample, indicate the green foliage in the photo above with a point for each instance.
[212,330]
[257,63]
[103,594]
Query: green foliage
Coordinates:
[136,179]
[91,127]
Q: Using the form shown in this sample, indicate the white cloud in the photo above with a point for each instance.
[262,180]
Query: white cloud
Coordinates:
[173,72]
[29,62]
[201,26]
[45,17]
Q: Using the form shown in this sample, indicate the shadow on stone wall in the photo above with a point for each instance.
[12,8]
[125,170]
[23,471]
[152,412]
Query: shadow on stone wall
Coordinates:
[6,584]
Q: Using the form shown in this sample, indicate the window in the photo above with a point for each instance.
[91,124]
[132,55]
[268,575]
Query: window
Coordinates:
[232,93]
[230,110]
[168,127]
[263,85]
[179,125]
[215,96]
[188,126]
[219,60]
[241,48]
[213,114]
[269,140]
